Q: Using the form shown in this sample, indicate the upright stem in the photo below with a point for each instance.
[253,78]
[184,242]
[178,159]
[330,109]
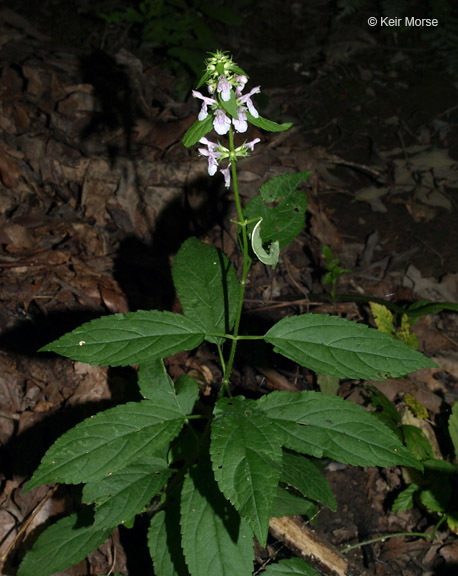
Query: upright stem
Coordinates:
[245,268]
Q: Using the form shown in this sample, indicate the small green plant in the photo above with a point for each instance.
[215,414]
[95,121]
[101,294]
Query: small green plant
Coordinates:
[333,271]
[211,472]
[386,323]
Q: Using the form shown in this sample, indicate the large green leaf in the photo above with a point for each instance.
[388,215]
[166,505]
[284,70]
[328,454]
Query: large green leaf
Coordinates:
[303,475]
[164,544]
[215,539]
[207,287]
[246,460]
[198,131]
[291,567]
[323,425]
[337,347]
[126,339]
[281,207]
[109,441]
[125,493]
[267,125]
[63,544]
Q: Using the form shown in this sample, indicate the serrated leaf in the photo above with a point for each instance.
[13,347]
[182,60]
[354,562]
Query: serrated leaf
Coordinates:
[405,500]
[288,504]
[267,125]
[246,459]
[328,384]
[453,427]
[300,473]
[126,339]
[109,441]
[197,131]
[337,347]
[215,539]
[125,493]
[164,543]
[154,381]
[207,287]
[437,499]
[63,544]
[281,207]
[291,567]
[187,392]
[322,425]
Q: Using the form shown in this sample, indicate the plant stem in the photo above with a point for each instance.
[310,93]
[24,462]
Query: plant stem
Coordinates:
[245,268]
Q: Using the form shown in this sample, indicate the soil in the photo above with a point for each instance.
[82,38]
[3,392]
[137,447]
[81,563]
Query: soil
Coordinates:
[97,193]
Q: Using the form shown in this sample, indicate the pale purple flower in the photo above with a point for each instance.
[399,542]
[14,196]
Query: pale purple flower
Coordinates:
[221,122]
[224,88]
[246,99]
[251,144]
[212,153]
[240,82]
[227,175]
[206,102]
[240,124]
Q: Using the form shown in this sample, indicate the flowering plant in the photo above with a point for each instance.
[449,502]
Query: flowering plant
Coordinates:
[211,472]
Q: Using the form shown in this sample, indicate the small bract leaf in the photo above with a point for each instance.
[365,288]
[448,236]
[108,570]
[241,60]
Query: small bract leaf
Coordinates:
[405,499]
[246,460]
[109,441]
[63,544]
[267,125]
[337,347]
[197,131]
[207,287]
[126,339]
[215,539]
[268,257]
[124,494]
[322,425]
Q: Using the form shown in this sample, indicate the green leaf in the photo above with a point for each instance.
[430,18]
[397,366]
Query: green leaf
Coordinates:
[126,339]
[246,460]
[109,441]
[424,307]
[154,381]
[207,287]
[300,473]
[288,504]
[291,567]
[63,544]
[164,543]
[328,384]
[230,106]
[215,539]
[323,425]
[270,258]
[453,427]
[282,208]
[337,347]
[417,442]
[437,498]
[267,125]
[197,131]
[405,500]
[187,392]
[125,493]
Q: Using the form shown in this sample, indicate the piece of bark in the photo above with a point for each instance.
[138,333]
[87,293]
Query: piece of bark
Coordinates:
[306,543]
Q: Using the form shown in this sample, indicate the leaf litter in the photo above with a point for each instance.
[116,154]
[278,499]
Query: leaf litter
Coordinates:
[91,200]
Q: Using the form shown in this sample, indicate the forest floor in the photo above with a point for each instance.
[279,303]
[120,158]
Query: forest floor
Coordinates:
[97,193]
